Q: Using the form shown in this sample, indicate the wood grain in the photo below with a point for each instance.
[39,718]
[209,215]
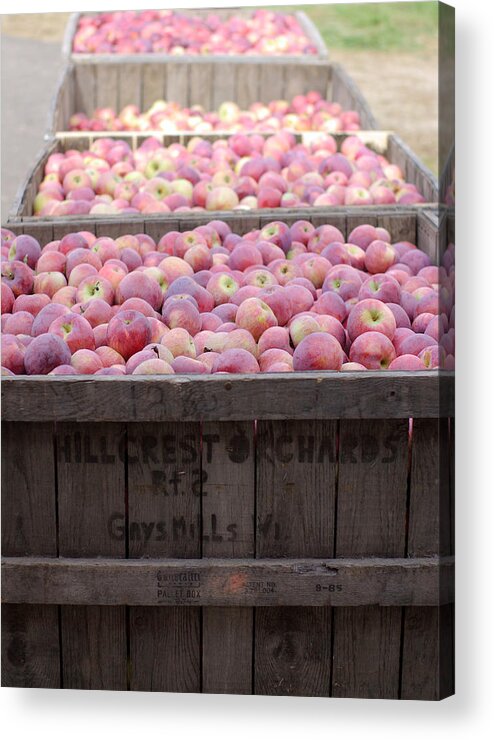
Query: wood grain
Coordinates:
[29,498]
[93,640]
[91,487]
[293,651]
[324,395]
[219,582]
[164,649]
[371,519]
[366,653]
[228,501]
[296,477]
[372,488]
[296,481]
[164,473]
[30,646]
[164,490]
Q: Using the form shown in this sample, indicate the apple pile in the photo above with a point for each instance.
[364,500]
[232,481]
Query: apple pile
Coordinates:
[304,113]
[241,172]
[277,299]
[264,32]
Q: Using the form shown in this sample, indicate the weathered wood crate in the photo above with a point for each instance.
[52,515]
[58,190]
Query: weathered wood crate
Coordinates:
[383,142]
[118,82]
[284,534]
[311,31]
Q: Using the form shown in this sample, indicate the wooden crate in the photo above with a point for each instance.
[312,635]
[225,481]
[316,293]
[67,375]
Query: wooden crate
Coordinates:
[305,22]
[384,142]
[285,534]
[119,82]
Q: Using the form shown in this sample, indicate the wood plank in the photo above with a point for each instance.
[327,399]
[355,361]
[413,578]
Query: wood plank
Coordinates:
[403,227]
[164,649]
[371,519]
[201,86]
[296,488]
[428,639]
[429,529]
[366,653]
[427,672]
[301,79]
[227,641]
[177,83]
[91,485]
[223,85]
[219,582]
[228,501]
[29,500]
[85,90]
[30,646]
[164,512]
[113,229]
[106,86]
[295,500]
[228,490]
[247,85]
[271,82]
[292,651]
[129,85]
[325,395]
[164,490]
[372,488]
[92,642]
[153,84]
[91,488]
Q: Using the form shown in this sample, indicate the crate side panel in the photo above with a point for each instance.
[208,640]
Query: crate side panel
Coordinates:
[164,485]
[153,84]
[93,642]
[366,652]
[296,481]
[106,86]
[371,520]
[164,519]
[30,646]
[29,496]
[91,484]
[85,90]
[428,639]
[228,501]
[201,85]
[177,83]
[165,649]
[293,651]
[372,488]
[129,85]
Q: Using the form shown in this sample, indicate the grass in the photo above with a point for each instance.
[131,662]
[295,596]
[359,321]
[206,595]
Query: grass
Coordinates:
[402,27]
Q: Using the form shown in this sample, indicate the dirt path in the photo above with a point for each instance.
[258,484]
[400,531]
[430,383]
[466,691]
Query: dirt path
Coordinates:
[402,91]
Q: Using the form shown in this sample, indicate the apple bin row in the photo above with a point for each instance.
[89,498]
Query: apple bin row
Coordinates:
[128,173]
[241,93]
[164,35]
[283,298]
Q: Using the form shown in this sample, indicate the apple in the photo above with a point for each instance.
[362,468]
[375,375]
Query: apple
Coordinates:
[45,353]
[317,351]
[256,316]
[128,332]
[371,315]
[373,349]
